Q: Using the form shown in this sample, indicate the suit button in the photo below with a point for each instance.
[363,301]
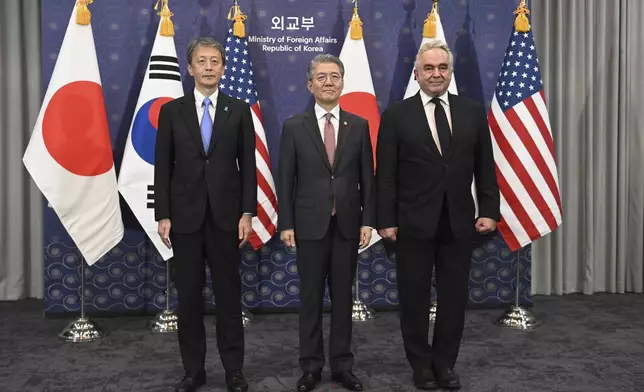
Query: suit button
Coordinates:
[333,177]
[207,161]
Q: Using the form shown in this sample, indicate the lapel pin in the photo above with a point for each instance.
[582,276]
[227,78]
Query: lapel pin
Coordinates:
[345,123]
[225,108]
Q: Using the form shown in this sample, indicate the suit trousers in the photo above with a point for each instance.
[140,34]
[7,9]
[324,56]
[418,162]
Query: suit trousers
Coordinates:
[333,260]
[415,259]
[219,249]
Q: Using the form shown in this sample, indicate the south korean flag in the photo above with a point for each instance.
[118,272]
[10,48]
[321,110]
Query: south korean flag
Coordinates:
[162,84]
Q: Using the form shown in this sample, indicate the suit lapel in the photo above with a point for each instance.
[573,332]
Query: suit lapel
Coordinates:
[343,129]
[313,130]
[456,117]
[189,113]
[221,115]
[418,111]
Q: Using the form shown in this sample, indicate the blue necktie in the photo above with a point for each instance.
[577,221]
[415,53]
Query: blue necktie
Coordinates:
[206,125]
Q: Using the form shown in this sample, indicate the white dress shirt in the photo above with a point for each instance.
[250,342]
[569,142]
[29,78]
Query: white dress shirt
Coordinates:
[429,112]
[199,97]
[335,120]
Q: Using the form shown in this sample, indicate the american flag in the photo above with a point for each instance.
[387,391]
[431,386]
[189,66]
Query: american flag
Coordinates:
[523,147]
[238,82]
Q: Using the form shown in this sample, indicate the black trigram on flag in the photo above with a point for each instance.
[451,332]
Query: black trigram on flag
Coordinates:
[150,196]
[164,67]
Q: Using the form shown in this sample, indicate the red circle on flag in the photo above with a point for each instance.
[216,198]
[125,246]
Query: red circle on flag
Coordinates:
[155,108]
[75,131]
[364,105]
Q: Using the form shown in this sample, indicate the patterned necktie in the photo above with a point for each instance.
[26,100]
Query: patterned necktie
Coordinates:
[442,126]
[329,138]
[206,124]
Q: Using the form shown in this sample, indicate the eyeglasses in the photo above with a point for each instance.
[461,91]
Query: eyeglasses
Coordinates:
[322,78]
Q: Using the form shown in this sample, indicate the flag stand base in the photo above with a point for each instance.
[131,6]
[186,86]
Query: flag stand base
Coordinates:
[518,317]
[432,311]
[165,321]
[247,318]
[81,330]
[361,312]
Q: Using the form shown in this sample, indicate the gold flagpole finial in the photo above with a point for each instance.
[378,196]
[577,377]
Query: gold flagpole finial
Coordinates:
[83,16]
[521,23]
[167,27]
[355,26]
[429,27]
[235,13]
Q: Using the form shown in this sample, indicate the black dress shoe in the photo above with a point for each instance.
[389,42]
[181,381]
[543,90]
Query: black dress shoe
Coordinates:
[190,383]
[348,381]
[236,382]
[425,379]
[308,381]
[447,378]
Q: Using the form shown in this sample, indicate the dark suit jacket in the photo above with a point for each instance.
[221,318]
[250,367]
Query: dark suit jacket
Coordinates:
[412,176]
[186,177]
[307,184]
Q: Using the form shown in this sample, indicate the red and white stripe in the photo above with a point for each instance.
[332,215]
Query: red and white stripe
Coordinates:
[264,224]
[526,170]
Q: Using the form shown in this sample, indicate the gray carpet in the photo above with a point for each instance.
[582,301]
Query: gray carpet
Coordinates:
[586,344]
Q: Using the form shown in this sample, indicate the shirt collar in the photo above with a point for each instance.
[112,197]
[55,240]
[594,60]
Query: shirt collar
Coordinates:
[319,112]
[199,97]
[426,98]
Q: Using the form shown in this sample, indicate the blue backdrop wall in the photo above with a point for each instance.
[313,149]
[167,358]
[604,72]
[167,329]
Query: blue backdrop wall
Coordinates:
[132,277]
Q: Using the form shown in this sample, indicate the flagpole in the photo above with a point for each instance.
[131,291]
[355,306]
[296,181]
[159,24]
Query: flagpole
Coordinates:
[82,329]
[166,321]
[361,312]
[517,317]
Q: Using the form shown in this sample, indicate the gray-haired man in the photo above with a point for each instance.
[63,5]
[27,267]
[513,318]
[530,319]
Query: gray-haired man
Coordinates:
[326,202]
[430,146]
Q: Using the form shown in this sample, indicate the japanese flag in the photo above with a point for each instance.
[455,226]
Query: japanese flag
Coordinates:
[358,96]
[69,155]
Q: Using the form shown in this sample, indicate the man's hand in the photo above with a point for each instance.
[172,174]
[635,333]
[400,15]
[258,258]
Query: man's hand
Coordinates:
[288,238]
[365,236]
[245,229]
[389,233]
[485,225]
[164,232]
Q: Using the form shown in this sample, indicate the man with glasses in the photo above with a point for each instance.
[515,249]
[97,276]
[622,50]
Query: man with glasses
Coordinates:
[326,204]
[205,196]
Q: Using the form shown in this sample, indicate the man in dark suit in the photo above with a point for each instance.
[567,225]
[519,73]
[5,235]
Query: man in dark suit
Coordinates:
[326,203]
[430,146]
[205,196]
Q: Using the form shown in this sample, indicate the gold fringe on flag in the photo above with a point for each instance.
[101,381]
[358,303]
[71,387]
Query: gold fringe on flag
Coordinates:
[235,13]
[521,23]
[355,26]
[83,16]
[429,27]
[167,27]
